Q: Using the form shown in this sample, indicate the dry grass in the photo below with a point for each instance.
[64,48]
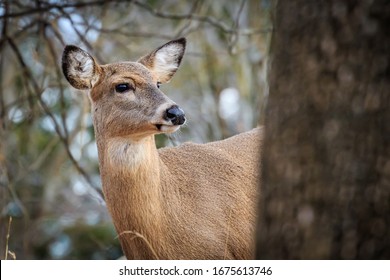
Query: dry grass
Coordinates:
[7,251]
[139,235]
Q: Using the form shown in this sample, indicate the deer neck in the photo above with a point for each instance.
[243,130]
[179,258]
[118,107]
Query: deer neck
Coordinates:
[130,174]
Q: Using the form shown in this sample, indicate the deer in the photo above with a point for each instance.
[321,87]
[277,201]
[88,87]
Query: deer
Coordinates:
[191,201]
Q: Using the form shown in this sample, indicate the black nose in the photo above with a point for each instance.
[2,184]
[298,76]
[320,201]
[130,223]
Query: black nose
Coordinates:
[175,115]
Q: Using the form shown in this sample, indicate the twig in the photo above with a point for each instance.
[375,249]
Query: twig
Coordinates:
[60,86]
[48,7]
[57,128]
[36,164]
[210,20]
[139,235]
[81,36]
[217,23]
[111,31]
[2,102]
[196,6]
[7,237]
[234,36]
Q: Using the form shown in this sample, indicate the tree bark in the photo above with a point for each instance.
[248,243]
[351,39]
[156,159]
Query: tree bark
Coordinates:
[326,158]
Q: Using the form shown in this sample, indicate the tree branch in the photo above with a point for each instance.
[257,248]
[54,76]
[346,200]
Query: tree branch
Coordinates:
[57,128]
[49,7]
[210,20]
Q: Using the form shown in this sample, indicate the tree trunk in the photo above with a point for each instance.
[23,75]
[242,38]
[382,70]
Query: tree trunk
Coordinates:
[326,159]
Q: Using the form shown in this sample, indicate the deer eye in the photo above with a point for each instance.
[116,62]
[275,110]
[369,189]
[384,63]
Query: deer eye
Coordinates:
[123,87]
[158,84]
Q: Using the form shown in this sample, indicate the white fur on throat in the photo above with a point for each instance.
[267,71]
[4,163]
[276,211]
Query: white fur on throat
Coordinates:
[123,154]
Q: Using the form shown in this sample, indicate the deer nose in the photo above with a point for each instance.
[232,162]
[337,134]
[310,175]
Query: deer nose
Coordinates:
[175,115]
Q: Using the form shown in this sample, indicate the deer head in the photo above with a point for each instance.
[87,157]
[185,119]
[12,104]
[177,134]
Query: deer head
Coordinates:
[126,98]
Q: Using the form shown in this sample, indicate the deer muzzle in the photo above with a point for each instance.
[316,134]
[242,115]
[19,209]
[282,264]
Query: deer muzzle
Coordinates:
[175,115]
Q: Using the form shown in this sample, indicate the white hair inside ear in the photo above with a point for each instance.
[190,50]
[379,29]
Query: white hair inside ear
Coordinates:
[79,68]
[166,60]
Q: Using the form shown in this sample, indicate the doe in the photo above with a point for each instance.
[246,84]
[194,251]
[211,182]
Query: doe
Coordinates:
[194,201]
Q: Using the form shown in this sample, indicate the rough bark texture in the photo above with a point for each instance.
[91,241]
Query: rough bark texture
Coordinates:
[326,160]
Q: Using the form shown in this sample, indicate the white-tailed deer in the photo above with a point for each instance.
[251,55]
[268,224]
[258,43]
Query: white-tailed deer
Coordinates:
[194,201]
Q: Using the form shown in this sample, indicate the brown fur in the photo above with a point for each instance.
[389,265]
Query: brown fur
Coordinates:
[195,201]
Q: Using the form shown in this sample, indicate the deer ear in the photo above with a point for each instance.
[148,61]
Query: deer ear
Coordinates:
[79,67]
[165,60]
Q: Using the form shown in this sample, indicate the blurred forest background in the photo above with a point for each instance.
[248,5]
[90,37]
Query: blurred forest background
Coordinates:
[49,177]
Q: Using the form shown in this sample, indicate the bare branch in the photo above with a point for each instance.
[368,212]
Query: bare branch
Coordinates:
[60,86]
[81,36]
[196,6]
[8,235]
[210,20]
[57,128]
[233,37]
[131,34]
[50,6]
